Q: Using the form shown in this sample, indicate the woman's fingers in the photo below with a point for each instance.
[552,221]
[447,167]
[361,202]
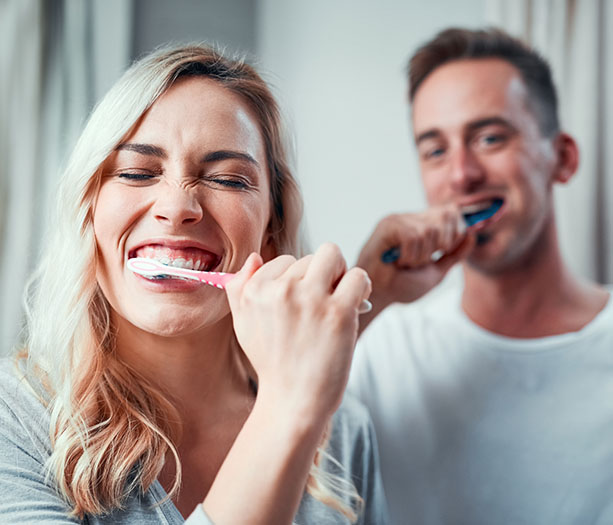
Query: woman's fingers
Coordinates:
[235,287]
[298,270]
[353,289]
[321,274]
[275,268]
[326,268]
[251,265]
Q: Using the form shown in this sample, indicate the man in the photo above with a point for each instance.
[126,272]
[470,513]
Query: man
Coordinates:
[492,404]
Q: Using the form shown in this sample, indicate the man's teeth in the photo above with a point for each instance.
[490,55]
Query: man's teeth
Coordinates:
[475,208]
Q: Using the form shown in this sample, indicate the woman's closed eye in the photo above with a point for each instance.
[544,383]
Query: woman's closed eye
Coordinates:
[135,176]
[228,181]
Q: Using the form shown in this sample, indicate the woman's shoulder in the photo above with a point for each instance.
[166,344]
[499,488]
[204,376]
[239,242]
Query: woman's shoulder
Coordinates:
[22,413]
[352,414]
[352,458]
[13,384]
[352,436]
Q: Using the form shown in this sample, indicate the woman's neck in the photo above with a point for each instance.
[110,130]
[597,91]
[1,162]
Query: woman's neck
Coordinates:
[196,370]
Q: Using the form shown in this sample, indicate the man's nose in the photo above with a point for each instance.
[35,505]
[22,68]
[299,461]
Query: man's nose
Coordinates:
[177,205]
[466,170]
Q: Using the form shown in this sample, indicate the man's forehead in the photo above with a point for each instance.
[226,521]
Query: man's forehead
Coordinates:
[463,91]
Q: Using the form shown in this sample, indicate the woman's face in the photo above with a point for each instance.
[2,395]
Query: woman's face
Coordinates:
[189,187]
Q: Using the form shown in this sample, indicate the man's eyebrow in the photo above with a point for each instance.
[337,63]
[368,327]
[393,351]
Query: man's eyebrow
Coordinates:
[229,154]
[143,149]
[471,126]
[489,121]
[430,134]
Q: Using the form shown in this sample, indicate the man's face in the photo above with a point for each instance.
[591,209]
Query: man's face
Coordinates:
[479,140]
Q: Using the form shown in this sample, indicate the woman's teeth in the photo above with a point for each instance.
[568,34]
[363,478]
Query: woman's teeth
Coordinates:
[188,264]
[187,258]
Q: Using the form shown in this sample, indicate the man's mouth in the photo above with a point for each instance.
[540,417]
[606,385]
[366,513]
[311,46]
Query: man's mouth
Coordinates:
[188,258]
[481,211]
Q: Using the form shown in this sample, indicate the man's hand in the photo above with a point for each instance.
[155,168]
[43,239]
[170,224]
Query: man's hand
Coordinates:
[428,244]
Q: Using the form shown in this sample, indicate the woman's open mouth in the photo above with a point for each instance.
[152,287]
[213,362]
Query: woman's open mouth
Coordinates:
[188,258]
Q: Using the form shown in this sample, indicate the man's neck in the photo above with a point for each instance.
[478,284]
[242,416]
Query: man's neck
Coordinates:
[537,298]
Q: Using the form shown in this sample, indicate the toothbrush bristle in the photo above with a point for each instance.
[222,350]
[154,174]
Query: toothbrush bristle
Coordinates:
[162,276]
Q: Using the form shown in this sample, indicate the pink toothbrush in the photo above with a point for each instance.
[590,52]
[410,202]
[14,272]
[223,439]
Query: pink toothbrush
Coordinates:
[156,270]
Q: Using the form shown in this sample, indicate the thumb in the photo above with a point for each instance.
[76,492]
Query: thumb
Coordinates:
[235,287]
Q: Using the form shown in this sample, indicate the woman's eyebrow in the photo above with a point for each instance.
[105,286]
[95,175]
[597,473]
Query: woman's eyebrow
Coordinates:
[156,151]
[143,149]
[229,154]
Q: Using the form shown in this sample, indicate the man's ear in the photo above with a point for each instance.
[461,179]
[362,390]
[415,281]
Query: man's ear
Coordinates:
[567,154]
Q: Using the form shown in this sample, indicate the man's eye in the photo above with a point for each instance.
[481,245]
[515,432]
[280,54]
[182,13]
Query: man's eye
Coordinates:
[433,153]
[491,139]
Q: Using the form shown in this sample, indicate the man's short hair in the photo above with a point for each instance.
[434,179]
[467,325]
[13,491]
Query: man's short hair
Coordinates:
[458,44]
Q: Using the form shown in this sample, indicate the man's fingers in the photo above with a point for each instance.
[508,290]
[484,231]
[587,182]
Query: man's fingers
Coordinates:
[418,236]
[460,252]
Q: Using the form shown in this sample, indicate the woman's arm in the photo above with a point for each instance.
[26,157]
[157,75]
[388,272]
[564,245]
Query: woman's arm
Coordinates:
[25,495]
[297,322]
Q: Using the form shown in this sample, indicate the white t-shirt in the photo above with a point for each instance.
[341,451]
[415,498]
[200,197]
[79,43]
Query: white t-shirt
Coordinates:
[479,429]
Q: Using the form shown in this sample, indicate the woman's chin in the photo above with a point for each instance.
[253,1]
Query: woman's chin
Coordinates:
[173,322]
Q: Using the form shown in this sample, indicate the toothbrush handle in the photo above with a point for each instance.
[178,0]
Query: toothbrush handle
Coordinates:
[217,279]
[391,255]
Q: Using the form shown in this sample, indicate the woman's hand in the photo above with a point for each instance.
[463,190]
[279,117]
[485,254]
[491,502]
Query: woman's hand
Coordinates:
[297,322]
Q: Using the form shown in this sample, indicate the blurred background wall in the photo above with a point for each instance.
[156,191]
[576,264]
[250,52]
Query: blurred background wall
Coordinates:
[337,67]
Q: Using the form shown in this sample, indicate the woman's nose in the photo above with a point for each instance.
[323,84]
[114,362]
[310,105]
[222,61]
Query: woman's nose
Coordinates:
[177,206]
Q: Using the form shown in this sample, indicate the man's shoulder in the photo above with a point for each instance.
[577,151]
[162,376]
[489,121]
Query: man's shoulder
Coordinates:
[400,337]
[440,308]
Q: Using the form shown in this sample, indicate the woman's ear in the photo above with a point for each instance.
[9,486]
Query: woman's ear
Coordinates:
[567,153]
[268,251]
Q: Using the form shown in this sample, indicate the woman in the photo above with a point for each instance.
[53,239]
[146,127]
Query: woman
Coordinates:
[147,401]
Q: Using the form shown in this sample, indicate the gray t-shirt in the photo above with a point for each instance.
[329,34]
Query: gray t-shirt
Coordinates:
[26,497]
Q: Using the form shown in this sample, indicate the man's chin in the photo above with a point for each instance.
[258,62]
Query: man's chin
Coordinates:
[487,258]
[483,239]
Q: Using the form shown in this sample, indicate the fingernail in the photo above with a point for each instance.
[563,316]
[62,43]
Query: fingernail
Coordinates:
[365,307]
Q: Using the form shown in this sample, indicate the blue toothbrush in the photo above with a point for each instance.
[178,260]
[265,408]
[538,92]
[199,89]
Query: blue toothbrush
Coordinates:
[392,255]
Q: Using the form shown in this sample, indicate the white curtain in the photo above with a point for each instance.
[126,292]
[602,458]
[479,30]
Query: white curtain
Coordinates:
[57,57]
[576,37]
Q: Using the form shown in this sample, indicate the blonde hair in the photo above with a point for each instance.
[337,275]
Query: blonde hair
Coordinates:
[111,429]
